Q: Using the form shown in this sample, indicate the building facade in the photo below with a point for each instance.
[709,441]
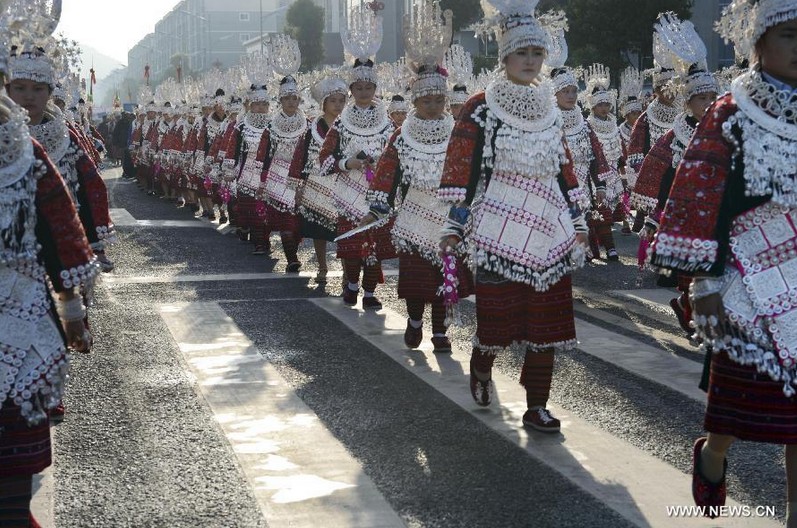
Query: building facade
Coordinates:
[201,34]
[704,14]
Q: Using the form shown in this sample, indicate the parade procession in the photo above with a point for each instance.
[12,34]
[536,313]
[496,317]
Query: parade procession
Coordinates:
[434,281]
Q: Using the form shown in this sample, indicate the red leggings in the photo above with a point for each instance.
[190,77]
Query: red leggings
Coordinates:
[415,310]
[535,376]
[600,230]
[372,275]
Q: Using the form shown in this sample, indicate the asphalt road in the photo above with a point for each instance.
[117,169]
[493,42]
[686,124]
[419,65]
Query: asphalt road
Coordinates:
[143,443]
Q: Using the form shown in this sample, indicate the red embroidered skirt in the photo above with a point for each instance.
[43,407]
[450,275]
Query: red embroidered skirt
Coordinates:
[162,174]
[619,214]
[215,197]
[419,279]
[24,450]
[201,190]
[246,212]
[144,172]
[176,180]
[277,220]
[748,405]
[508,312]
[361,245]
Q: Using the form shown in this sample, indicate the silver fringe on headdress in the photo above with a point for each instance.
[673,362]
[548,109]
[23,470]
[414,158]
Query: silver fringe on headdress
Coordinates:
[743,22]
[362,38]
[427,35]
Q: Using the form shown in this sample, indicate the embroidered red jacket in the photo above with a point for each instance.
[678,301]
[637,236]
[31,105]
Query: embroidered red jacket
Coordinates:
[463,167]
[706,196]
[388,173]
[301,158]
[64,246]
[639,144]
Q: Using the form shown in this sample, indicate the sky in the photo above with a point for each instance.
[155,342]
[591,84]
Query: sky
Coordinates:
[112,27]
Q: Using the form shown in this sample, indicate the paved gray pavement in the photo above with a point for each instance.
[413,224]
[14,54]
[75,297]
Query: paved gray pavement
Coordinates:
[223,393]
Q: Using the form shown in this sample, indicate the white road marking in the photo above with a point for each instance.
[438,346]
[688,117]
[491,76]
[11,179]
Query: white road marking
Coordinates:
[654,364]
[657,299]
[635,484]
[300,474]
[623,322]
[43,503]
[123,218]
[115,280]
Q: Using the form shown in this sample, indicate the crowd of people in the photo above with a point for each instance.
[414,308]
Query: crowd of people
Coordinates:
[501,194]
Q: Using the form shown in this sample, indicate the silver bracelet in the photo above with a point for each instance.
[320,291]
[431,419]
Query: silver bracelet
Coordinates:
[71,310]
[702,287]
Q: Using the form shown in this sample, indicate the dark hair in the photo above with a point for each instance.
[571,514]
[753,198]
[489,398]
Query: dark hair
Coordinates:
[368,62]
[460,88]
[695,68]
[556,72]
[427,68]
[397,98]
[258,87]
[220,92]
[287,79]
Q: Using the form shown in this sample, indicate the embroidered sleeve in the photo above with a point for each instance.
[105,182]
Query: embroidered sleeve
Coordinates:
[177,140]
[213,151]
[330,154]
[264,153]
[228,142]
[639,143]
[573,192]
[463,165]
[381,194]
[191,143]
[87,144]
[93,193]
[623,161]
[231,151]
[651,174]
[157,143]
[236,142]
[694,223]
[152,135]
[65,252]
[602,172]
[299,162]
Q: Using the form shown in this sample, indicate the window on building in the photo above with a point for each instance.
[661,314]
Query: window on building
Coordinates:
[243,17]
[245,37]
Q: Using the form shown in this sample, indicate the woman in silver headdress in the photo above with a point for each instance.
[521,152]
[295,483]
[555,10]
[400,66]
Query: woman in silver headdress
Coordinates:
[314,197]
[515,201]
[45,260]
[730,223]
